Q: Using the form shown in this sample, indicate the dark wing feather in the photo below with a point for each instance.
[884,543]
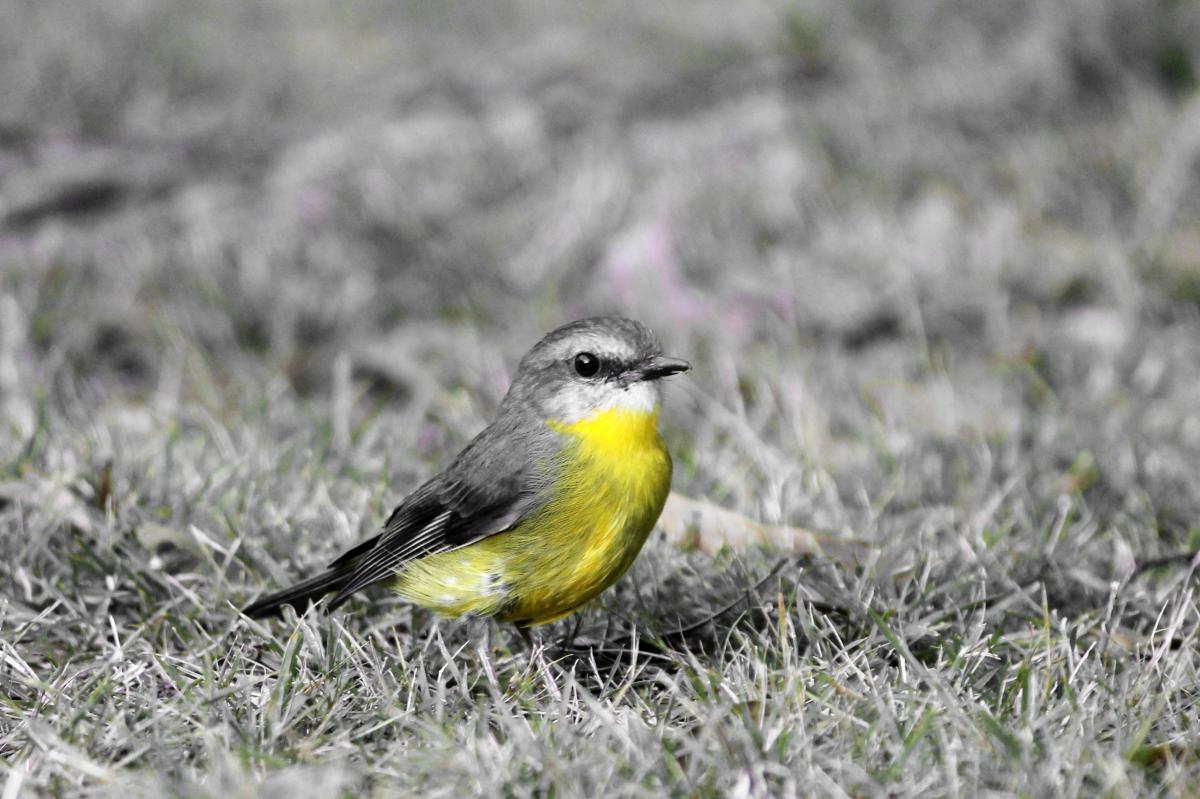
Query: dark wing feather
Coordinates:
[298,596]
[492,484]
[488,488]
[413,513]
[412,525]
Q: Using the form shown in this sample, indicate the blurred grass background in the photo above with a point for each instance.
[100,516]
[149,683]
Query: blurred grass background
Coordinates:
[264,266]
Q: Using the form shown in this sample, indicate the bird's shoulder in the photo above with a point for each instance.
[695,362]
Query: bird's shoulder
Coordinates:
[506,462]
[498,477]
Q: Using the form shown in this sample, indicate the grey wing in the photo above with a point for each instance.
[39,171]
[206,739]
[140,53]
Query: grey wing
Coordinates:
[491,486]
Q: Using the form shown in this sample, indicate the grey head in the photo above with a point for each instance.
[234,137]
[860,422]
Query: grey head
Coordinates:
[591,365]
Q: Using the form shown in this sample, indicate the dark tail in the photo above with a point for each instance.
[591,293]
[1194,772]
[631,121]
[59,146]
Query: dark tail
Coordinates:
[300,595]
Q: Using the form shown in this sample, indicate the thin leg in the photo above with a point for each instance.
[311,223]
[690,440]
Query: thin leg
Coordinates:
[485,654]
[568,640]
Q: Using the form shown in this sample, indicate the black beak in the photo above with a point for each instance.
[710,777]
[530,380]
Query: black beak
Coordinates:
[657,367]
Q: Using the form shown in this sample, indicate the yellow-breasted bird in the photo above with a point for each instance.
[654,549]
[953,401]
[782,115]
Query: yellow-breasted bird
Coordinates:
[545,508]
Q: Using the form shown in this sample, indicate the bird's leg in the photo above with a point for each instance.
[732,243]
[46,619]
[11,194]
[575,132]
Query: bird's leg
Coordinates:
[526,635]
[568,640]
[485,653]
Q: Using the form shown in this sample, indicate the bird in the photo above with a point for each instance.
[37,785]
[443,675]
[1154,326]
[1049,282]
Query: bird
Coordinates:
[545,508]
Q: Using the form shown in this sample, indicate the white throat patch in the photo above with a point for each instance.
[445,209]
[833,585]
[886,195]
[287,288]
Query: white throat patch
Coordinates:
[580,401]
[641,396]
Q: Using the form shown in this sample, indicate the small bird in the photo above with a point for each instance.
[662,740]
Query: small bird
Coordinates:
[546,507]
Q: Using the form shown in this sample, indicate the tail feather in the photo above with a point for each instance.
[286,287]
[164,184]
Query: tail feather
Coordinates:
[300,595]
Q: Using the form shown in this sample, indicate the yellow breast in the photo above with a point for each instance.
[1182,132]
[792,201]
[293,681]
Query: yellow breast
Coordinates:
[615,477]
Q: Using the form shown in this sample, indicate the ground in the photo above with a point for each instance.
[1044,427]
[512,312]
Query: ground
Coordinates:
[264,266]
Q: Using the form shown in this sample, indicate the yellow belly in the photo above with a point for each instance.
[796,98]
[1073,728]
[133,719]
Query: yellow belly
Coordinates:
[615,479]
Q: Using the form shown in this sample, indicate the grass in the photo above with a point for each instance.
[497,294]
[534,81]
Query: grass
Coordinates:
[264,267]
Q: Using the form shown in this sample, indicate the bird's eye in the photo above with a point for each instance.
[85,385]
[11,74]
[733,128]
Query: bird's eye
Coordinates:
[586,364]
